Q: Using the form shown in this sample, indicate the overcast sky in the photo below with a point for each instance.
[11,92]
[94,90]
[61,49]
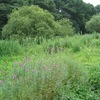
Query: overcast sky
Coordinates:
[94,2]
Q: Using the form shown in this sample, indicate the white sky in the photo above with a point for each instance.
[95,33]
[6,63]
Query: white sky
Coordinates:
[94,2]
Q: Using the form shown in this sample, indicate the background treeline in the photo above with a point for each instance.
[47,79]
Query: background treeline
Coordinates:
[77,11]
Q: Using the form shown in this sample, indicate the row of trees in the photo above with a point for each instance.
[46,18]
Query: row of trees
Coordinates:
[77,11]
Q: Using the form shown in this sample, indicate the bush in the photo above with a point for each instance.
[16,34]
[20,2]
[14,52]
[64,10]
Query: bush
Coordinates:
[66,27]
[94,24]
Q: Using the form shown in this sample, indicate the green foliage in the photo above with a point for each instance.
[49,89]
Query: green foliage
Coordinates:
[6,7]
[35,22]
[95,79]
[76,48]
[32,21]
[46,79]
[94,24]
[66,27]
[46,4]
[97,9]
[4,10]
[66,72]
[75,10]
[9,48]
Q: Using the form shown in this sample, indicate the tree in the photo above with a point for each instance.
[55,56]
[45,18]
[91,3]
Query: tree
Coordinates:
[29,21]
[6,7]
[66,27]
[79,12]
[35,22]
[93,24]
[97,9]
[75,10]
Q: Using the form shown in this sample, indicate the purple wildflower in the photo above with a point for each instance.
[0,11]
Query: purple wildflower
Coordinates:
[14,76]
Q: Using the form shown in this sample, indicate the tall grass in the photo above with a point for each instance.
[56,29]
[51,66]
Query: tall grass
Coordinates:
[51,72]
[46,80]
[9,48]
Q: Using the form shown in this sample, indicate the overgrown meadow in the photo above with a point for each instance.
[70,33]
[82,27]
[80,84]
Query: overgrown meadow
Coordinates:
[65,68]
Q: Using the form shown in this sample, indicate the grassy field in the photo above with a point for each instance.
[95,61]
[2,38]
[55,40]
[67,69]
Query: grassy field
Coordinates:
[58,69]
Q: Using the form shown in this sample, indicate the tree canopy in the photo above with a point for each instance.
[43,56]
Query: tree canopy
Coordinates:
[77,11]
[34,21]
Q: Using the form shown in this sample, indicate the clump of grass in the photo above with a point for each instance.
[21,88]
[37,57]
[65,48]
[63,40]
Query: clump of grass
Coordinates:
[54,47]
[57,45]
[9,48]
[76,48]
[54,76]
[86,39]
[96,35]
[94,79]
[95,43]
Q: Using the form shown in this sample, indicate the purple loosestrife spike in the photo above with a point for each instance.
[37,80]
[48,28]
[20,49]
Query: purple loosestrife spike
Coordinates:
[14,76]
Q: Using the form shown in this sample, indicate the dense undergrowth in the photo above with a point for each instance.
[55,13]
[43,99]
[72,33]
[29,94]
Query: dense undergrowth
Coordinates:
[57,69]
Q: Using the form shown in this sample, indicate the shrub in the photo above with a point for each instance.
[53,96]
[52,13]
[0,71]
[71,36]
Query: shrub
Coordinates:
[93,24]
[66,27]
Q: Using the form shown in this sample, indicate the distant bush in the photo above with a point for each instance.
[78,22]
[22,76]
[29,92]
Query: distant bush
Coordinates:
[94,24]
[66,27]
